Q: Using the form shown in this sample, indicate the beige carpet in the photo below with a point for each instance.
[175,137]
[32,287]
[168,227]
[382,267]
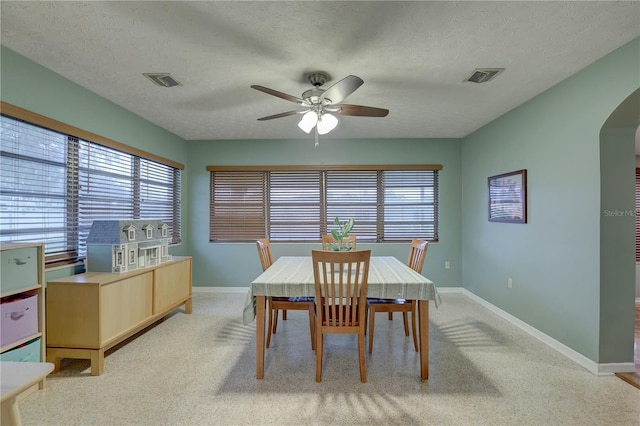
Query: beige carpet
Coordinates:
[199,369]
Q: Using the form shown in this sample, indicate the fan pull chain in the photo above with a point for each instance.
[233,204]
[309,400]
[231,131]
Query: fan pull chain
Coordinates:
[316,133]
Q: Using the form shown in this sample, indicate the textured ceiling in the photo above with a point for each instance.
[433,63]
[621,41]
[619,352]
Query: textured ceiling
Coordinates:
[412,56]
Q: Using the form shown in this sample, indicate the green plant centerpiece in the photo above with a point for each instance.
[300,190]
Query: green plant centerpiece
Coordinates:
[340,234]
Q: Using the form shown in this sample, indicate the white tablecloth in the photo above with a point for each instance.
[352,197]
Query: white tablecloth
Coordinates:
[292,276]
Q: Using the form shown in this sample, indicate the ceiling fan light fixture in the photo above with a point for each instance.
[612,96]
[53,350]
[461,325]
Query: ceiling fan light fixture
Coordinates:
[326,123]
[320,105]
[309,120]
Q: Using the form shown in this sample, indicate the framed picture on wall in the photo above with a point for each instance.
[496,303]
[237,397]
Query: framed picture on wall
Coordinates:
[508,197]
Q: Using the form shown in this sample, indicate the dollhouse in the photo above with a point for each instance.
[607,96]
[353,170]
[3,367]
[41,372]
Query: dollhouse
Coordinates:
[126,245]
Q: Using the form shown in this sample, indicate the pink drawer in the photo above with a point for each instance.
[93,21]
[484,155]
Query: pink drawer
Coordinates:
[18,319]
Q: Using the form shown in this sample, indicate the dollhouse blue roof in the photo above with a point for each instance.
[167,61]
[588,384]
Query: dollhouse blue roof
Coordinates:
[114,231]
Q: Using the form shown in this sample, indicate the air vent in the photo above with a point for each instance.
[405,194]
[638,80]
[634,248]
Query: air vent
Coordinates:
[162,79]
[482,75]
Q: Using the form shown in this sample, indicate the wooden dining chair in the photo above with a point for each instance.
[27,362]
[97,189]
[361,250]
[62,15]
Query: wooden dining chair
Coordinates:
[349,241]
[341,299]
[275,304]
[417,253]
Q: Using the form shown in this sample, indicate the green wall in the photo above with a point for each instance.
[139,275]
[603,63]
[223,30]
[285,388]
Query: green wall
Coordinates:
[236,265]
[28,85]
[554,259]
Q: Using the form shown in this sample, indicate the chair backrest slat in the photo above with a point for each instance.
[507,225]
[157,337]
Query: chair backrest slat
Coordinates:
[417,253]
[341,285]
[264,250]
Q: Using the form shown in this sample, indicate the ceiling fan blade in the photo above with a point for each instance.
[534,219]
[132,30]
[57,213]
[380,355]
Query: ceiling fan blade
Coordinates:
[282,114]
[342,89]
[362,111]
[284,96]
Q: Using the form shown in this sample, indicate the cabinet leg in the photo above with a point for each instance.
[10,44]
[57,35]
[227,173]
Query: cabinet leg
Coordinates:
[188,306]
[97,362]
[55,360]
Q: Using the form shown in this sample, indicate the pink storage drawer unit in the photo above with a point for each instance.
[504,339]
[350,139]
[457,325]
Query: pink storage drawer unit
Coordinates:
[18,319]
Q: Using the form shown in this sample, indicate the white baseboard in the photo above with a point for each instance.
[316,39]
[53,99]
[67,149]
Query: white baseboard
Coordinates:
[242,290]
[578,358]
[444,290]
[588,364]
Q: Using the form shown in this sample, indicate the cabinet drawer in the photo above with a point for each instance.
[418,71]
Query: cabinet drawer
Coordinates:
[18,319]
[18,269]
[29,352]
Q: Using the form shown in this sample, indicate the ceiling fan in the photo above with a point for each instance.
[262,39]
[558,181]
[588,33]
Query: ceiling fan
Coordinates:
[319,105]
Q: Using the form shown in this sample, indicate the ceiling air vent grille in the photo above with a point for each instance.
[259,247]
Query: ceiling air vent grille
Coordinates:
[162,79]
[482,75]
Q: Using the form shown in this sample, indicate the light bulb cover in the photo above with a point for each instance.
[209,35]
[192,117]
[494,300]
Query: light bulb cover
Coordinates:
[309,120]
[326,123]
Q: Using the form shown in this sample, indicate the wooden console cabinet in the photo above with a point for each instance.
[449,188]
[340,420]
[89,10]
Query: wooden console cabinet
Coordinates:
[92,312]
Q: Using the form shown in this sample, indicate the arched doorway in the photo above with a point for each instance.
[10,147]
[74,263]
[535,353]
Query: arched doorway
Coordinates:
[619,152]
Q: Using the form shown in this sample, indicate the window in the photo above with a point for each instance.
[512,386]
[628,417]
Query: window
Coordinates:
[54,185]
[298,204]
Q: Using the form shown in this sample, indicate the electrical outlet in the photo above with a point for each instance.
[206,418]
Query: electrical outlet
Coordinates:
[447,265]
[509,283]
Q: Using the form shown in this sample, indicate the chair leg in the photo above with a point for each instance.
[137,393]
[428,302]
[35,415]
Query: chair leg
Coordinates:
[366,319]
[269,328]
[413,324]
[275,319]
[406,323]
[318,355]
[361,359]
[284,315]
[312,328]
[372,317]
[390,316]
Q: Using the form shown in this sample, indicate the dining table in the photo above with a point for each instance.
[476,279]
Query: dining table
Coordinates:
[388,278]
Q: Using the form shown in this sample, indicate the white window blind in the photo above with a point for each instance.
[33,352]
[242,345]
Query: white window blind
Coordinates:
[353,194]
[294,205]
[33,171]
[410,204]
[160,190]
